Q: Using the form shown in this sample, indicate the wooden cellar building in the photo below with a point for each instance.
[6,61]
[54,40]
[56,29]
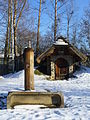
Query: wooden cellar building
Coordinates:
[60,60]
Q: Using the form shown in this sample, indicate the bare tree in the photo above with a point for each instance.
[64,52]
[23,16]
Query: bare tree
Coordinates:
[69,13]
[15,25]
[12,35]
[16,22]
[84,33]
[37,46]
[74,35]
[13,10]
[55,22]
[56,14]
[41,2]
[7,35]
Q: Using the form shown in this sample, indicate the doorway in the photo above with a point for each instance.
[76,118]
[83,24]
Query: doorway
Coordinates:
[62,69]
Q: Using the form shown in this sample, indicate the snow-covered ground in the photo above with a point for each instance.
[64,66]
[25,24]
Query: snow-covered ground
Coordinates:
[76,97]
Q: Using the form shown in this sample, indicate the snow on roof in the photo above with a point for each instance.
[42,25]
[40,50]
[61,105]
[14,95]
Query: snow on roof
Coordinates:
[60,42]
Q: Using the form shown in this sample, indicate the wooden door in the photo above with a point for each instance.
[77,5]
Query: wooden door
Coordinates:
[61,68]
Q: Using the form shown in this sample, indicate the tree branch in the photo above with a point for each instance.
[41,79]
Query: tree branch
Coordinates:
[20,13]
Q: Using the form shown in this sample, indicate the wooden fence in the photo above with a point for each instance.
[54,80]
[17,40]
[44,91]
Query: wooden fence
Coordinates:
[8,68]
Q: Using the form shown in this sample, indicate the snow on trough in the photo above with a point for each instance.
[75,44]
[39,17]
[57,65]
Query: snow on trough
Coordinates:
[76,95]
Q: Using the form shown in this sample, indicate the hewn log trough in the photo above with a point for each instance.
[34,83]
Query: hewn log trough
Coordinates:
[35,98]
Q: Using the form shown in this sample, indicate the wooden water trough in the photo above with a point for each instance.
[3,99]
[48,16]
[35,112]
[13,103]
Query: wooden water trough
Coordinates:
[48,99]
[35,98]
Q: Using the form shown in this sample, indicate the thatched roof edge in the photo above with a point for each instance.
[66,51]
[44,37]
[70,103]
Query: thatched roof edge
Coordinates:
[51,50]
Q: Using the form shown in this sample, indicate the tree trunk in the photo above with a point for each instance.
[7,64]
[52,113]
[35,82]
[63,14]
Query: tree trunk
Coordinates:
[15,42]
[15,29]
[6,48]
[55,22]
[15,25]
[12,36]
[7,36]
[68,29]
[74,36]
[21,12]
[37,45]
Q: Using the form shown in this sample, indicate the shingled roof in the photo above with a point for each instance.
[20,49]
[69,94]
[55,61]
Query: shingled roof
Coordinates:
[61,41]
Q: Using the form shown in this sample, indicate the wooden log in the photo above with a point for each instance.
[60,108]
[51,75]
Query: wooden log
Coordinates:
[29,68]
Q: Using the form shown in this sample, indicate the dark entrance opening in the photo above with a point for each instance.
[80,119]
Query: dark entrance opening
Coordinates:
[62,69]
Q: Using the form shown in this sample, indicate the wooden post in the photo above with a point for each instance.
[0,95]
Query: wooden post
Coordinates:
[29,68]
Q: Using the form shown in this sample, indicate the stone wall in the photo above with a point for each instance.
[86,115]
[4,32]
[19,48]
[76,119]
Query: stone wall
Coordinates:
[52,70]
